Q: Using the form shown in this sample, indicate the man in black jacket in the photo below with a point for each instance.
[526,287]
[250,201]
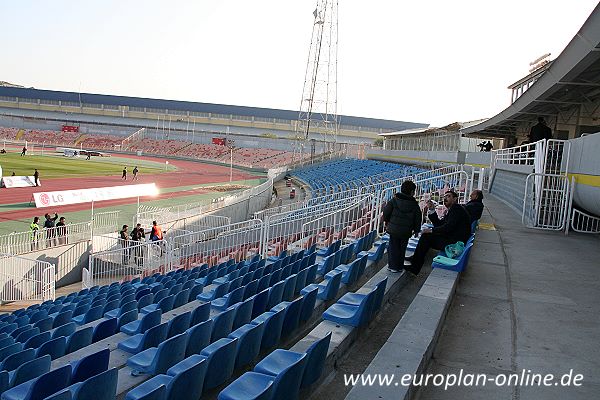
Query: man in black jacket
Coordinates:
[540,131]
[402,217]
[454,227]
[475,205]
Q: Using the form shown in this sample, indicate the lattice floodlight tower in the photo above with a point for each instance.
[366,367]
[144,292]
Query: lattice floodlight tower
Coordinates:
[318,117]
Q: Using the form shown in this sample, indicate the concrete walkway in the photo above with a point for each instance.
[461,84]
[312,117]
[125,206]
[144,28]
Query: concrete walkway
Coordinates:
[530,300]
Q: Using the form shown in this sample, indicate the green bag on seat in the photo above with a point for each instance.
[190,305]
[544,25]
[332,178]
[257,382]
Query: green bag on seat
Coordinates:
[455,250]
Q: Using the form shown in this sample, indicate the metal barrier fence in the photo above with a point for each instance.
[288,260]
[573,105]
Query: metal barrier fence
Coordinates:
[546,201]
[351,222]
[44,238]
[584,223]
[523,155]
[282,229]
[430,188]
[212,246]
[133,259]
[24,279]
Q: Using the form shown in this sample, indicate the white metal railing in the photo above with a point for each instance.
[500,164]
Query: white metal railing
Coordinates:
[584,223]
[546,201]
[134,137]
[521,155]
[133,259]
[30,241]
[24,279]
[429,188]
[238,241]
[436,172]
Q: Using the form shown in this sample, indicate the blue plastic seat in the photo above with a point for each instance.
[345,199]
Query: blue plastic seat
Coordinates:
[91,315]
[352,315]
[25,335]
[250,386]
[292,315]
[275,277]
[6,341]
[9,328]
[144,301]
[105,329]
[250,289]
[35,341]
[326,265]
[15,333]
[200,314]
[127,317]
[155,361]
[90,365]
[208,279]
[22,321]
[349,272]
[160,294]
[78,340]
[264,282]
[273,321]
[317,354]
[131,305]
[15,360]
[179,324]
[183,381]
[142,341]
[81,309]
[249,338]
[308,304]
[243,314]
[289,288]
[222,324]
[328,288]
[30,370]
[42,386]
[38,315]
[198,337]
[354,299]
[64,330]
[275,294]
[102,386]
[300,280]
[10,349]
[164,305]
[229,299]
[286,368]
[377,254]
[111,305]
[220,356]
[218,291]
[311,276]
[141,292]
[260,303]
[143,324]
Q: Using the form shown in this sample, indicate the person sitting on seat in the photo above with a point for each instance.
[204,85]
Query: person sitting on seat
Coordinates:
[454,227]
[475,205]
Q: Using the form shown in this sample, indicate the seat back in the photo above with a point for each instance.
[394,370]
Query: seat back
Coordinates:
[272,332]
[145,300]
[149,320]
[198,337]
[188,378]
[275,294]
[102,386]
[179,324]
[308,305]
[200,314]
[161,294]
[105,329]
[64,330]
[90,365]
[35,341]
[51,382]
[10,349]
[166,304]
[287,382]
[221,361]
[78,340]
[316,353]
[25,335]
[243,313]
[223,324]
[15,360]
[127,317]
[169,353]
[289,288]
[333,285]
[31,369]
[292,316]
[260,302]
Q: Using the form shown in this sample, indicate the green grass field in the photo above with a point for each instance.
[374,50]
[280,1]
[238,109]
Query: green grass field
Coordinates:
[58,166]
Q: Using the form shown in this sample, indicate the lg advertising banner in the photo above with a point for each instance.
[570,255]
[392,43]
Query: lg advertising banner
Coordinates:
[19,181]
[64,197]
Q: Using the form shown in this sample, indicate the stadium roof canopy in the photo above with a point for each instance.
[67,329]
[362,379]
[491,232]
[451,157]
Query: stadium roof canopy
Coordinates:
[74,97]
[572,82]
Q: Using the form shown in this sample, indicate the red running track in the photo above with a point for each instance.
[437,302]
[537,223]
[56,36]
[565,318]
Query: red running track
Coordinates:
[188,173]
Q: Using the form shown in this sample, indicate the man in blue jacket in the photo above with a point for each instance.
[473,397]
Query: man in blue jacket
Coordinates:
[454,227]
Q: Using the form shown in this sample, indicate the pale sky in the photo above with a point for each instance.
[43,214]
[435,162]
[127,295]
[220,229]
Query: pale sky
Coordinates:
[435,61]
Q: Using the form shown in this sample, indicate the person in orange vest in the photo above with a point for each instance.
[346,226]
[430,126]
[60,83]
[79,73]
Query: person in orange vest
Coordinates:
[156,232]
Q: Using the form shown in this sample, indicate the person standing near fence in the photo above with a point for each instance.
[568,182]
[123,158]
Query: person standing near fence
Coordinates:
[135,172]
[137,238]
[402,216]
[124,176]
[156,234]
[34,230]
[49,226]
[124,236]
[61,231]
[36,177]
